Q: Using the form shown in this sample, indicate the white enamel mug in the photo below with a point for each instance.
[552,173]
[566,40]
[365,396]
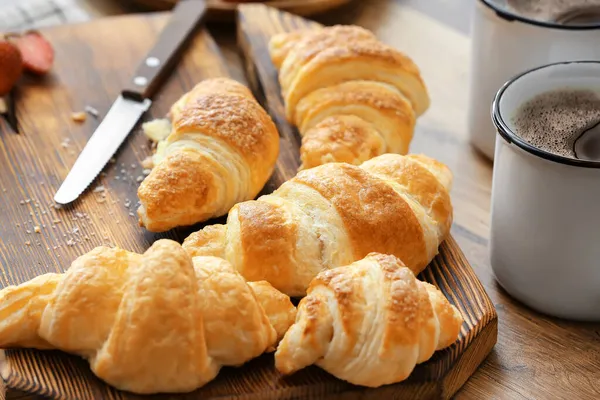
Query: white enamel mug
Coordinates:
[545,223]
[505,44]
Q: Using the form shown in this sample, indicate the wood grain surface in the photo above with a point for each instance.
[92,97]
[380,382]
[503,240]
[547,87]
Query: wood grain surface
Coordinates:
[35,162]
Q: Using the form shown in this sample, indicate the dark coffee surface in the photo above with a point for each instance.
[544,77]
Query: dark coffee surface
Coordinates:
[556,10]
[553,121]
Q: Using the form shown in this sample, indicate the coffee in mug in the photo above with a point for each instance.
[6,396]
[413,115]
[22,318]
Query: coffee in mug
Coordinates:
[566,12]
[564,122]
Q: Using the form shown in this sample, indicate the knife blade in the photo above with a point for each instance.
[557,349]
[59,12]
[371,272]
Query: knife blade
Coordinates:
[133,101]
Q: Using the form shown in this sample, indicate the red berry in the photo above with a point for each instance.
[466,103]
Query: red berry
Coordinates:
[37,52]
[11,66]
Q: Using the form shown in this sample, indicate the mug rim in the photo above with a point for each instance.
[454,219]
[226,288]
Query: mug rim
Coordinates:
[510,16]
[511,137]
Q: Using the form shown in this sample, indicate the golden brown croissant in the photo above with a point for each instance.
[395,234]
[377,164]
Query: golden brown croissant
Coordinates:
[369,323]
[221,150]
[330,74]
[333,215]
[157,322]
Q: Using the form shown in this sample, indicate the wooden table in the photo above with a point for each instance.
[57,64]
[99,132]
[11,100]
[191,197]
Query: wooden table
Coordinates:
[536,357]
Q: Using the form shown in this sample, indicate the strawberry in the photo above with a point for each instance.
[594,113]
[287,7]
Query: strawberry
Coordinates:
[11,66]
[38,54]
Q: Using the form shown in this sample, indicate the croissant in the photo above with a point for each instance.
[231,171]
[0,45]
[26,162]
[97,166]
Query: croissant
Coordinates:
[221,149]
[351,97]
[333,215]
[369,323]
[147,323]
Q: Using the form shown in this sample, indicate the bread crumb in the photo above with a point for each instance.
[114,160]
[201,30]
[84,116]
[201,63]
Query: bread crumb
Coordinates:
[37,229]
[147,163]
[28,243]
[79,116]
[139,178]
[157,130]
[56,221]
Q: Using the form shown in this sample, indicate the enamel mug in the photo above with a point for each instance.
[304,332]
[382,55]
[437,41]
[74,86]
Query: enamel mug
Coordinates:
[505,44]
[545,212]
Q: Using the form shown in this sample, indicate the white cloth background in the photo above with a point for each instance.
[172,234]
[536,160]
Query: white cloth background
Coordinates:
[18,15]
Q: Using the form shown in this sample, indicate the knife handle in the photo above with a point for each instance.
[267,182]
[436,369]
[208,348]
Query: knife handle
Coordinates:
[159,62]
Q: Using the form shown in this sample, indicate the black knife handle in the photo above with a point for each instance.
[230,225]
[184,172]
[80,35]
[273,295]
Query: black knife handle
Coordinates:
[160,61]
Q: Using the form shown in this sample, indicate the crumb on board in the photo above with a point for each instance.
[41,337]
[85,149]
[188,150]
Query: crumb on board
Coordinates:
[28,243]
[79,116]
[37,229]
[157,130]
[147,163]
[139,178]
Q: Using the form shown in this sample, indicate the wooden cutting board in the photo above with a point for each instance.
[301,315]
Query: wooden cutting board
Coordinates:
[93,61]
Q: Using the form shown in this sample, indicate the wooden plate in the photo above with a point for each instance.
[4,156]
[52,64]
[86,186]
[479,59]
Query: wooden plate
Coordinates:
[34,163]
[223,9]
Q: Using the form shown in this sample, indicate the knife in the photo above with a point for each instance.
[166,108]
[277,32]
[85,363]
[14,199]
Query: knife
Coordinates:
[133,101]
